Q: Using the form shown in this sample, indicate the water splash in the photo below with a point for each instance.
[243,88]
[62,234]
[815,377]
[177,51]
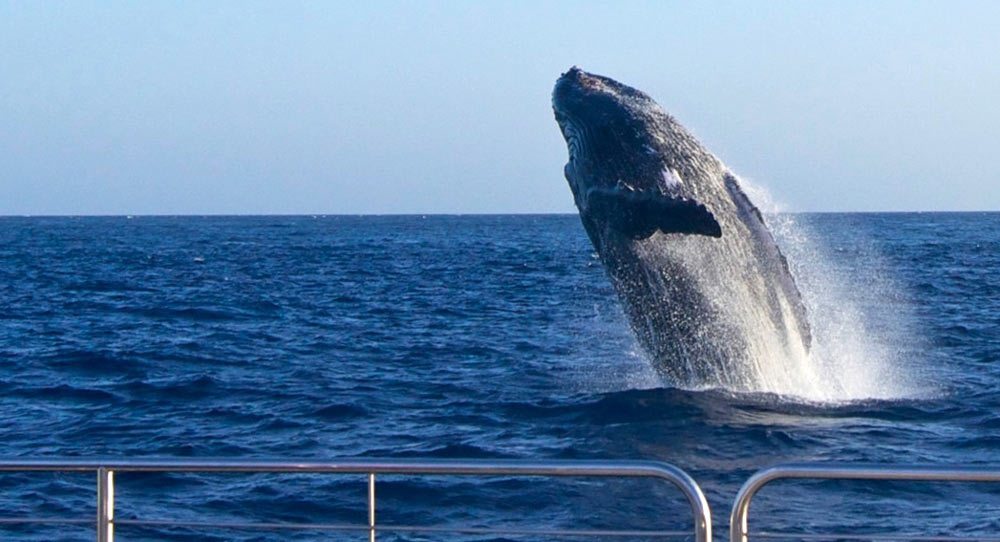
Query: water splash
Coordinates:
[863,328]
[861,320]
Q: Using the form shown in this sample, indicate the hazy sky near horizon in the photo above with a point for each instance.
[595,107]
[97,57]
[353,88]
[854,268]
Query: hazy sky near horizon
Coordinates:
[444,107]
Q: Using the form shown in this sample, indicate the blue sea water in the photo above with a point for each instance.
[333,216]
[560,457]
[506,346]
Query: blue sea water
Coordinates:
[473,337]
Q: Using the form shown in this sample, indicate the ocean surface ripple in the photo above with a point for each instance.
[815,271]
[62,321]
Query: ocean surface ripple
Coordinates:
[472,337]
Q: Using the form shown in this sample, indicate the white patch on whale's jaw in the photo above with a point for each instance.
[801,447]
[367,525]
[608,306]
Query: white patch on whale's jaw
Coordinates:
[670,179]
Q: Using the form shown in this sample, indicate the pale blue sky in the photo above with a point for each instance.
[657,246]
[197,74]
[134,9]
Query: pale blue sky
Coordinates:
[388,107]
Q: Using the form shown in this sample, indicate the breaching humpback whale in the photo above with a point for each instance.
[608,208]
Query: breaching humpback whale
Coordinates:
[700,277]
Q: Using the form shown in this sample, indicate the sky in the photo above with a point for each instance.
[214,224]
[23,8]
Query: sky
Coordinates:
[444,107]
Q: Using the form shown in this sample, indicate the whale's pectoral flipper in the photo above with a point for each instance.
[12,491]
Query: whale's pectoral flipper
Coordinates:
[640,214]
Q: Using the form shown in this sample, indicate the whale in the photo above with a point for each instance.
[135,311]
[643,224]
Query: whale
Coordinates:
[699,275]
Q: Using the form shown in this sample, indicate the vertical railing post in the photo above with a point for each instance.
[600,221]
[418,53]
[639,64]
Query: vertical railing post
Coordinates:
[105,505]
[371,507]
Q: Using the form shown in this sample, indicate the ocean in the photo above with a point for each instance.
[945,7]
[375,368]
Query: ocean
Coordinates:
[477,337]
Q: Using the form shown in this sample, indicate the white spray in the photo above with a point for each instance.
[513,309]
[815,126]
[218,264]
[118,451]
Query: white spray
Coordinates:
[860,321]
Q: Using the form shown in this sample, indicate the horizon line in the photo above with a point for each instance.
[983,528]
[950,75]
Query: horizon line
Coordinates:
[437,214]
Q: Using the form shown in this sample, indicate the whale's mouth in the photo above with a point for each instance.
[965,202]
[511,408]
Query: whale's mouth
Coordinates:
[570,97]
[567,99]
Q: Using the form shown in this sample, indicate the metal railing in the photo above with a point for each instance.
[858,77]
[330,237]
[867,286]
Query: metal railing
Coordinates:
[107,470]
[738,521]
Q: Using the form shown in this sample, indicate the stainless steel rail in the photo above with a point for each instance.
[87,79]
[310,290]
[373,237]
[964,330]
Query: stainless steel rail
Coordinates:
[106,471]
[738,525]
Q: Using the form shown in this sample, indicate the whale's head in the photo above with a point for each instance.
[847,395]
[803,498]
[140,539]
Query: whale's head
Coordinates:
[627,159]
[606,127]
